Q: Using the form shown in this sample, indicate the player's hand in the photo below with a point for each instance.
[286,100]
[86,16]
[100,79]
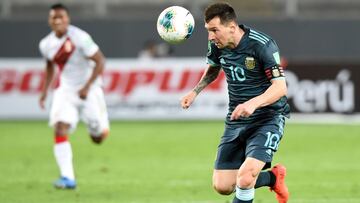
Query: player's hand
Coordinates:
[83,92]
[188,99]
[243,110]
[42,100]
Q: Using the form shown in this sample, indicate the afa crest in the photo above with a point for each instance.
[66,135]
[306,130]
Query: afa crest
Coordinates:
[250,63]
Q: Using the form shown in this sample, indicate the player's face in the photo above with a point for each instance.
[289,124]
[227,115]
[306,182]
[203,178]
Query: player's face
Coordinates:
[219,33]
[59,21]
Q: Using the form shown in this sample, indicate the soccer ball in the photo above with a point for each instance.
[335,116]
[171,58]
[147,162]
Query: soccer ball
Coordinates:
[175,24]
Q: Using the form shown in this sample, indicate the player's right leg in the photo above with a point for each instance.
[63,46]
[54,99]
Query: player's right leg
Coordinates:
[63,118]
[63,155]
[224,181]
[230,155]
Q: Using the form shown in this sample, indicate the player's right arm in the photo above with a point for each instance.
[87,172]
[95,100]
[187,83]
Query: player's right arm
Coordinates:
[49,74]
[210,74]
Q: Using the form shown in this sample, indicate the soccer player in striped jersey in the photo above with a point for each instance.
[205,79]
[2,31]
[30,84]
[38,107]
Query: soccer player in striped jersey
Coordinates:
[257,105]
[79,94]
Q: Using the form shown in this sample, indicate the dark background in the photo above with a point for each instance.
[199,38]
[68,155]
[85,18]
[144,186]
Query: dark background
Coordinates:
[299,40]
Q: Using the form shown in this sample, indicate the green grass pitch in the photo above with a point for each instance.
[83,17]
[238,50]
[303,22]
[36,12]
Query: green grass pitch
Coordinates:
[164,162]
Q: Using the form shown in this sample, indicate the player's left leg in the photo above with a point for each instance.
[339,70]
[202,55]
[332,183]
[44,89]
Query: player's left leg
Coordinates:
[95,115]
[262,145]
[99,138]
[246,179]
[279,187]
[275,179]
[265,178]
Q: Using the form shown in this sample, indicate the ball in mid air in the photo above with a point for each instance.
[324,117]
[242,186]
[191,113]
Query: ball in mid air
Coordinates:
[175,24]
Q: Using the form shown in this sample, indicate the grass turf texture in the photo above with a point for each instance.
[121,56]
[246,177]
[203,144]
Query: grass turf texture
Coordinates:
[163,162]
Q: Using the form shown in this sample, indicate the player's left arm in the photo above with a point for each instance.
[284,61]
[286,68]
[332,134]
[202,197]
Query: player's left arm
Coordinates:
[271,59]
[99,60]
[91,51]
[276,90]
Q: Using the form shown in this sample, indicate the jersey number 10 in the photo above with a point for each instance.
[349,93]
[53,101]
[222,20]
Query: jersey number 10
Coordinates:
[237,73]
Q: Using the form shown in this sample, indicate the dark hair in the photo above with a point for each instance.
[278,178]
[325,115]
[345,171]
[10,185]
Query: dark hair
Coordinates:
[222,10]
[59,6]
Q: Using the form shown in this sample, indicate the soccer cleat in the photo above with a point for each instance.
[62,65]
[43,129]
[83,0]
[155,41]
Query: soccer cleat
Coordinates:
[280,188]
[65,183]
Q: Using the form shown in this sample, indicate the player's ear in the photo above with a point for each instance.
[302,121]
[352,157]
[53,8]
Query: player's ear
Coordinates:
[232,26]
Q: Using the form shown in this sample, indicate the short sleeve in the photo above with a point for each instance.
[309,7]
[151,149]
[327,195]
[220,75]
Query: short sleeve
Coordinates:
[87,44]
[212,55]
[42,47]
[270,58]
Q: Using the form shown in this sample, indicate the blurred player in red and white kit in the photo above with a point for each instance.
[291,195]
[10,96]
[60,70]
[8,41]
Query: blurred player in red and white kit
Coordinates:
[79,94]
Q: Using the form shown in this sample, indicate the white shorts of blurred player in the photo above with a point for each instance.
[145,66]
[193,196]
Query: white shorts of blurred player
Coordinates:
[67,107]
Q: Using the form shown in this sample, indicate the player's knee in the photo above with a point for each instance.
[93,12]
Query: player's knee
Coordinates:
[246,180]
[61,129]
[99,138]
[223,188]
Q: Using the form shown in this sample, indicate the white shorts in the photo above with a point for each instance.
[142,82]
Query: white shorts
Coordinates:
[67,107]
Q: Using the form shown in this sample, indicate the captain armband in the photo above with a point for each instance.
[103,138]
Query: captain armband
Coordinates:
[274,72]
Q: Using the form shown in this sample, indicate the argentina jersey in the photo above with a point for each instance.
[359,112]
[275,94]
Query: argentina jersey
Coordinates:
[249,69]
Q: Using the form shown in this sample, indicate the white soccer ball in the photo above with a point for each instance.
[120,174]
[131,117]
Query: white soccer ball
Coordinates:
[175,24]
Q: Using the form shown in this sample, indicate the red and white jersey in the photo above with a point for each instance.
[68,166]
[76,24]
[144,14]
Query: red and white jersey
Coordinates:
[70,53]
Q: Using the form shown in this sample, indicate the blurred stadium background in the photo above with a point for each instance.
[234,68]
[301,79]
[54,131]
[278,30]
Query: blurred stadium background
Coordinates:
[151,159]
